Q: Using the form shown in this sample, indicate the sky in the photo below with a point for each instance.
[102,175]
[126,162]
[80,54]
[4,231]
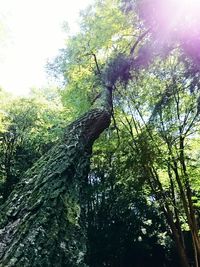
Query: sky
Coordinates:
[34,33]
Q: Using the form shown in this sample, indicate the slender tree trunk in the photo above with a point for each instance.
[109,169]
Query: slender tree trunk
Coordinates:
[177,239]
[169,217]
[40,222]
[191,211]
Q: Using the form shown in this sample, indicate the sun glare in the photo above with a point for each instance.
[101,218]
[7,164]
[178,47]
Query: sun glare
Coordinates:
[186,11]
[172,22]
[188,3]
[176,16]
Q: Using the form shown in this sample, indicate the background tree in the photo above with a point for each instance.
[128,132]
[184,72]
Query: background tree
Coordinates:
[30,126]
[169,106]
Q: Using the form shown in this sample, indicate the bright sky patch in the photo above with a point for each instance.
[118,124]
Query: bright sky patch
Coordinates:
[35,34]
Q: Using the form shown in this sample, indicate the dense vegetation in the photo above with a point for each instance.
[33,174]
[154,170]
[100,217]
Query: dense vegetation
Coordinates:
[140,201]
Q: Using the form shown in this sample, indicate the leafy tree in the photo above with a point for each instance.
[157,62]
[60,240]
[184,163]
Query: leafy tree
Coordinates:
[29,129]
[158,118]
[156,105]
[124,227]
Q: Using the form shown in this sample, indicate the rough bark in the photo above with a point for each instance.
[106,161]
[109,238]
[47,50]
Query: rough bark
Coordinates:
[40,222]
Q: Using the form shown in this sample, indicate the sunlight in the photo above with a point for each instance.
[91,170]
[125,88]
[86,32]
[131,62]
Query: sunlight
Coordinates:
[173,17]
[174,21]
[188,3]
[35,34]
[186,12]
[189,9]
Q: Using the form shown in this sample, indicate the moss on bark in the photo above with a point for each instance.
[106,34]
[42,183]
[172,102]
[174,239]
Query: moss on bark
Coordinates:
[40,223]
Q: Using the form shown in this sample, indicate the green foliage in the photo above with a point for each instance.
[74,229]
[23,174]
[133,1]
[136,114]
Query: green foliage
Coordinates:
[142,160]
[30,126]
[123,219]
[105,32]
[144,177]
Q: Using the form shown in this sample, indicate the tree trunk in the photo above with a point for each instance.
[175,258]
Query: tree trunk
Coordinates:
[161,198]
[40,223]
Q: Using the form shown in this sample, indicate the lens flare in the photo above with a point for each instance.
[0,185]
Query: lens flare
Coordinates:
[172,16]
[174,21]
[186,12]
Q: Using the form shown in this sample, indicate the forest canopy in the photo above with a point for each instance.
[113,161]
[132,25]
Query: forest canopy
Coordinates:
[132,198]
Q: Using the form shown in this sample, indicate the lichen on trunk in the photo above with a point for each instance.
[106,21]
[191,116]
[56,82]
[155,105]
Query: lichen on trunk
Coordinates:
[40,223]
